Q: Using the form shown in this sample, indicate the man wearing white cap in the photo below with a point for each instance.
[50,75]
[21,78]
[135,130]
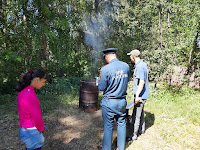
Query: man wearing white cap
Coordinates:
[141,94]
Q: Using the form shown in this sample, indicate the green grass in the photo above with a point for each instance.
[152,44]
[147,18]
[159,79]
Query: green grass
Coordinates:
[177,112]
[184,104]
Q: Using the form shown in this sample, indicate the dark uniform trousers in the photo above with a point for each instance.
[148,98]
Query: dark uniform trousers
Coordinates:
[114,109]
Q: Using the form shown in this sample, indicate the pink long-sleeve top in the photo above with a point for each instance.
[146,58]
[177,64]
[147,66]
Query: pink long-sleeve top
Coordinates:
[29,109]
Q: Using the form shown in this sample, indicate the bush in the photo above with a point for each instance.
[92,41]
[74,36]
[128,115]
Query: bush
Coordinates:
[61,86]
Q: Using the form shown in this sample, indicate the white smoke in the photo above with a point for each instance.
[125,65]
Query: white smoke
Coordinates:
[96,29]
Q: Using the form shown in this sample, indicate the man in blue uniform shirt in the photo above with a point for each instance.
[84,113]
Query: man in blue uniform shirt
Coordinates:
[113,82]
[141,94]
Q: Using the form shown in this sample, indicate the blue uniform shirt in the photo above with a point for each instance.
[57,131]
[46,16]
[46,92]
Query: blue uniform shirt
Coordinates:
[140,72]
[114,79]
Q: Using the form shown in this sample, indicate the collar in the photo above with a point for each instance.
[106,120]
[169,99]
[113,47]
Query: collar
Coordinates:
[30,87]
[138,62]
[113,60]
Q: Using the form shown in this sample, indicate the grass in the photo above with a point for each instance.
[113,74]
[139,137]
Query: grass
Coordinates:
[184,105]
[171,113]
[177,114]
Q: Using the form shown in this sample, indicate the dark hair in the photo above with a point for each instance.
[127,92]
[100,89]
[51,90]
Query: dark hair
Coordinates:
[29,76]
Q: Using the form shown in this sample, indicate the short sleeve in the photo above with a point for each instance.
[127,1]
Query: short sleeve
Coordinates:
[140,73]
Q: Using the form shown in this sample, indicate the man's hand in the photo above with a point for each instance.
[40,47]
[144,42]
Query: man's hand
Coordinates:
[97,81]
[140,87]
[137,100]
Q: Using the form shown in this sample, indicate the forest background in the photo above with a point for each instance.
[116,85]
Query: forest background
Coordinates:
[66,37]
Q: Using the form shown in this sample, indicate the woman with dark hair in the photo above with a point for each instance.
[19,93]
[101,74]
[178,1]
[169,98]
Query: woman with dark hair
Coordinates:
[30,117]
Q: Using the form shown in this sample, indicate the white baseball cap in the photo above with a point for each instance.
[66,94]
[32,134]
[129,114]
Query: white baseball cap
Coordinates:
[134,52]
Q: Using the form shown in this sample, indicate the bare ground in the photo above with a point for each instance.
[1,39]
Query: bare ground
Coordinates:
[72,129]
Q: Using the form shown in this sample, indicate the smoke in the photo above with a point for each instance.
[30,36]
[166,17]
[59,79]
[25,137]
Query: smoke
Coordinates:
[97,29]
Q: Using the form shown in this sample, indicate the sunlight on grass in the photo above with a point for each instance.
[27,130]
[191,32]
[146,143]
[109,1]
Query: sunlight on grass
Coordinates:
[176,115]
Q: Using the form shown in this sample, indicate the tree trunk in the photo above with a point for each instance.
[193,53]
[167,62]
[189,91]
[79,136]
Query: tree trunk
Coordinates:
[3,21]
[160,25]
[195,45]
[43,35]
[139,28]
[96,5]
[161,42]
[168,23]
[44,51]
[192,63]
[27,45]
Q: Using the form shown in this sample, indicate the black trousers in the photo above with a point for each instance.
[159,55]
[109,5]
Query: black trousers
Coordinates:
[138,121]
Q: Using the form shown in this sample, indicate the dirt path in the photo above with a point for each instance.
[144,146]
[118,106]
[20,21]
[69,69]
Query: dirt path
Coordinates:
[73,129]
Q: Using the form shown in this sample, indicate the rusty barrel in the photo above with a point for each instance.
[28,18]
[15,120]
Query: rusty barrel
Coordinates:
[88,98]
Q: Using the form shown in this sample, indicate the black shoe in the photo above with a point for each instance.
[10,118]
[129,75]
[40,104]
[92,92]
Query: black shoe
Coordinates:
[128,139]
[141,132]
[134,138]
[99,148]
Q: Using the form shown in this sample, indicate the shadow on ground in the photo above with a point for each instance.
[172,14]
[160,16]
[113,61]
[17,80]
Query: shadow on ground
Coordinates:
[72,129]
[149,121]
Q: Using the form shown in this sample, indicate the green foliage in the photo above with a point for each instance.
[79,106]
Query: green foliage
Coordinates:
[60,86]
[7,98]
[7,72]
[62,91]
[51,35]
[164,40]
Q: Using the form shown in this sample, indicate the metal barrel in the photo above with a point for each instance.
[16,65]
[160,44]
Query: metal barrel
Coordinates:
[88,98]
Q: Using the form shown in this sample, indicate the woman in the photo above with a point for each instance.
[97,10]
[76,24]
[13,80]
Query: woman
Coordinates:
[30,117]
